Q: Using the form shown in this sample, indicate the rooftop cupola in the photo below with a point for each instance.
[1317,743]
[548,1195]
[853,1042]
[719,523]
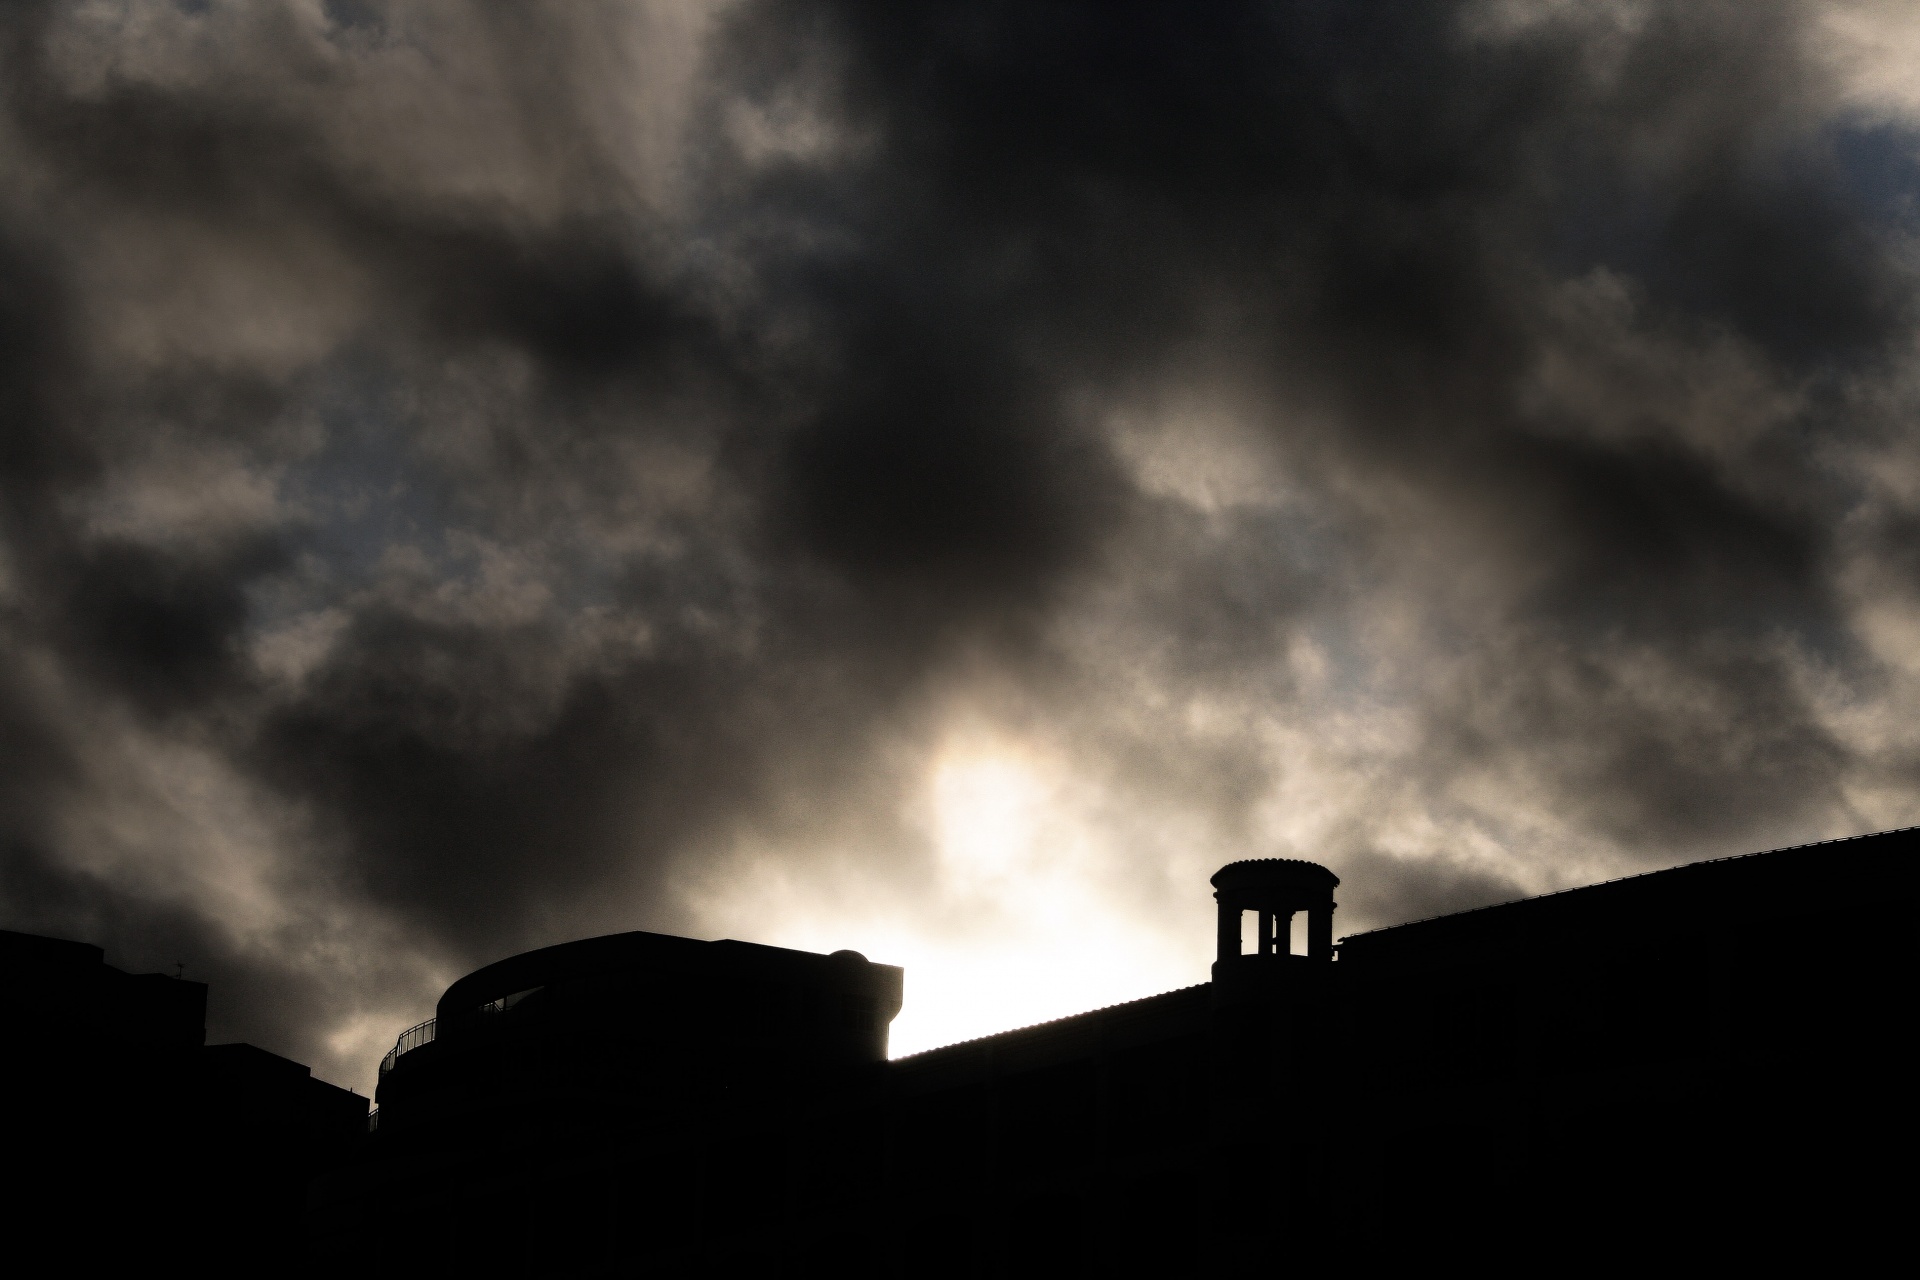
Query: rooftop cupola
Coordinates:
[1274,890]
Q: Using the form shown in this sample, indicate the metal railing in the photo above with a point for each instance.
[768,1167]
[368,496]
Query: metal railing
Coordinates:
[410,1039]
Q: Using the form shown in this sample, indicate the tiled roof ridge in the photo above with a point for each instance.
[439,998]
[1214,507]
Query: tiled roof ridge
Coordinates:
[1638,875]
[1266,862]
[1050,1022]
[1298,862]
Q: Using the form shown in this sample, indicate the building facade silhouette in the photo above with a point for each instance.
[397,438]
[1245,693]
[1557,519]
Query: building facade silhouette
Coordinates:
[132,1143]
[1687,1065]
[1697,1067]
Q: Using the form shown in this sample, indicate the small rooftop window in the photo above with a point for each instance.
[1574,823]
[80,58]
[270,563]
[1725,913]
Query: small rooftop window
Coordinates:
[505,1003]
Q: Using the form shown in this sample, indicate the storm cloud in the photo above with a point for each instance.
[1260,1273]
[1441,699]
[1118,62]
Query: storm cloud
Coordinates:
[476,476]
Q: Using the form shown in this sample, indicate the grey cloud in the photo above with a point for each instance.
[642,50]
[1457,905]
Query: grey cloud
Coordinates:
[663,421]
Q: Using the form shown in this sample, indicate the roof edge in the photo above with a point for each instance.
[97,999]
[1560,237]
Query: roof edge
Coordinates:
[1050,1022]
[1638,875]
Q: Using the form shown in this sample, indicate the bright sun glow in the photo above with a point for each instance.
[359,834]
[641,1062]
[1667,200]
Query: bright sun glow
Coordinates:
[1022,928]
[986,813]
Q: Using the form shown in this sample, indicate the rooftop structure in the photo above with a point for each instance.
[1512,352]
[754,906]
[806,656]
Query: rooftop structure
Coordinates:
[133,1140]
[730,1106]
[1701,1062]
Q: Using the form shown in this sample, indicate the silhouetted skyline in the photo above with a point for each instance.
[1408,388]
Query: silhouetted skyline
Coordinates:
[1652,1066]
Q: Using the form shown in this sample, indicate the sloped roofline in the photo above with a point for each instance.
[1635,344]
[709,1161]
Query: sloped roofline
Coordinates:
[1052,1022]
[1639,875]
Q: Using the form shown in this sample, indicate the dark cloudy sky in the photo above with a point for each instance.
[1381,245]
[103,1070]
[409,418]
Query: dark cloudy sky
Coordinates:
[934,478]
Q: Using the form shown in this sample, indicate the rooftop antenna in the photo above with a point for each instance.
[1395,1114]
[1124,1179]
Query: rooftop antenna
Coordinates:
[179,967]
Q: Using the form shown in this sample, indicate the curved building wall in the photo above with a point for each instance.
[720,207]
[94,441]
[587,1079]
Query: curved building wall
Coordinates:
[611,1027]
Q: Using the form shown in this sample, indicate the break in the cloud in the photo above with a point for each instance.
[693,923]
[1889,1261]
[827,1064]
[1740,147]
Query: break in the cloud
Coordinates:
[933,478]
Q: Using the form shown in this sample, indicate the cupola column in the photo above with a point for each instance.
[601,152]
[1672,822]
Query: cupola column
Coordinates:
[1229,938]
[1320,931]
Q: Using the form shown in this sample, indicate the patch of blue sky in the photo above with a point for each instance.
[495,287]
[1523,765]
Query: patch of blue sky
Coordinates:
[1879,164]
[367,502]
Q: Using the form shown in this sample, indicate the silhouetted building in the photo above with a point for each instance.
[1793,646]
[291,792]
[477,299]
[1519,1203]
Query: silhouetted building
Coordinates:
[132,1143]
[628,1098]
[1687,1065]
[1697,1067]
